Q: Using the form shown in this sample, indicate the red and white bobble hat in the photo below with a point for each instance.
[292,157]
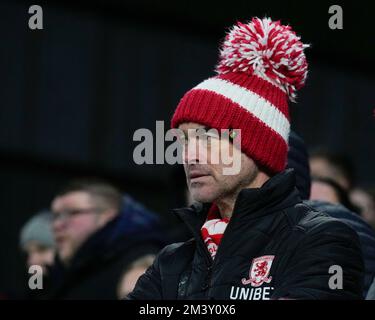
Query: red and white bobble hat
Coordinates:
[262,65]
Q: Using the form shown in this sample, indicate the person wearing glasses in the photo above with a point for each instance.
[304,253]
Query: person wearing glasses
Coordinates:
[96,239]
[253,237]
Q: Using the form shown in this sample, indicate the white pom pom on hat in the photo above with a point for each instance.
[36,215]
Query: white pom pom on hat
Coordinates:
[268,49]
[261,66]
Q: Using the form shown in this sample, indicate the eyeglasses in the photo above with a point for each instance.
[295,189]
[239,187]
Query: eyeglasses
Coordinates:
[69,213]
[201,135]
[206,135]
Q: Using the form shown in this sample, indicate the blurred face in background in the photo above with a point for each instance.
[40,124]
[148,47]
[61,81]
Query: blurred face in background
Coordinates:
[323,192]
[322,168]
[366,203]
[37,254]
[76,217]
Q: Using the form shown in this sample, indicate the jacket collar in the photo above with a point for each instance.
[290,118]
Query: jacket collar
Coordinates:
[276,194]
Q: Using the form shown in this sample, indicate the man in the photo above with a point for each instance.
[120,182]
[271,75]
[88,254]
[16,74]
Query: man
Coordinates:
[96,240]
[253,237]
[334,166]
[36,240]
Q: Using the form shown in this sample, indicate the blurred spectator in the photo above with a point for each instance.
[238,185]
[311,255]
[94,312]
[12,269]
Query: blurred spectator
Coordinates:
[335,166]
[37,241]
[131,275]
[98,234]
[364,231]
[366,202]
[325,189]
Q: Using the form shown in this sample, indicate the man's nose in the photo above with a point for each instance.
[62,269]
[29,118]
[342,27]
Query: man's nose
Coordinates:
[191,152]
[57,224]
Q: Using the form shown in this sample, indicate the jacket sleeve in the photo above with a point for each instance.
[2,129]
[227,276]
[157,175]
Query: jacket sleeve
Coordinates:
[313,270]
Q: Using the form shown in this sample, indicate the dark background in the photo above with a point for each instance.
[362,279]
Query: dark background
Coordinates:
[73,94]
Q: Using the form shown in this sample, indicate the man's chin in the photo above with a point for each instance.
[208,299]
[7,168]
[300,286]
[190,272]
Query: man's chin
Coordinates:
[203,194]
[65,255]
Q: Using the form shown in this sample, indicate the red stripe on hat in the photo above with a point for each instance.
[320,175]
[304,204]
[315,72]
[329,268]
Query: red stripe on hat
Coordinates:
[258,141]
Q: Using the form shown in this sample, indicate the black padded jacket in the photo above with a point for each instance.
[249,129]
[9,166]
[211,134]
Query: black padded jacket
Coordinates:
[274,247]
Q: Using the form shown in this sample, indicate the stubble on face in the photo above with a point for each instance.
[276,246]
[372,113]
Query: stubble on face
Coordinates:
[206,181]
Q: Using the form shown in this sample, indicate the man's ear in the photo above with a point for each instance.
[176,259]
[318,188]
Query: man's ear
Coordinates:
[107,216]
[264,170]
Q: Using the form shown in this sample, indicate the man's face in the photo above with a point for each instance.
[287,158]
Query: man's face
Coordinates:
[205,173]
[76,217]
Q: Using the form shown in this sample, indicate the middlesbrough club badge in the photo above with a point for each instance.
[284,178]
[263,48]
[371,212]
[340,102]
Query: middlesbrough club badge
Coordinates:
[259,271]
